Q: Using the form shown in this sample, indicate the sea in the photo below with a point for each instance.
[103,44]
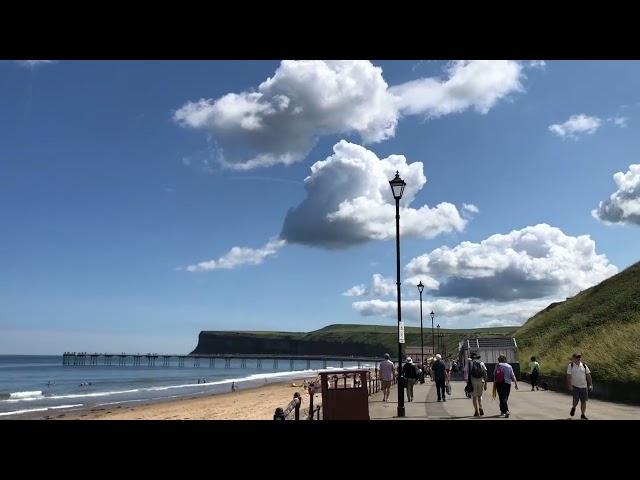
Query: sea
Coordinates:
[41,383]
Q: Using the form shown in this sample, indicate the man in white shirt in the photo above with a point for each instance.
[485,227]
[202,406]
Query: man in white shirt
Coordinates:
[579,383]
[386,375]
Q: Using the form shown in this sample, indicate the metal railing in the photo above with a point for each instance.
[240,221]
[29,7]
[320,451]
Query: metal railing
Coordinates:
[294,406]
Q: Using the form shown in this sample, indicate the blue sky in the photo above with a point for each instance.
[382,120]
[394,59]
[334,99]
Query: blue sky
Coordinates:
[118,188]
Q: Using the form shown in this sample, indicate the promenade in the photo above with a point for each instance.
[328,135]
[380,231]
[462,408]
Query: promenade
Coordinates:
[523,405]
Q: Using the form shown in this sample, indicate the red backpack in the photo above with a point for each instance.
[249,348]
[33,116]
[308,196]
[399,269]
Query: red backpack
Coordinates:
[498,376]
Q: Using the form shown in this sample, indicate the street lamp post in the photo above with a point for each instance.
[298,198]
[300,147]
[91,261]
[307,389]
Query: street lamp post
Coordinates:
[420,288]
[438,337]
[397,188]
[433,340]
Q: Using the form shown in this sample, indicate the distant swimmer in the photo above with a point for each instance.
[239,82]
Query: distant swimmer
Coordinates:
[233,386]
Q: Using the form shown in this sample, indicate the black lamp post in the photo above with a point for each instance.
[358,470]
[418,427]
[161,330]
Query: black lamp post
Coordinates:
[433,339]
[438,327]
[397,187]
[420,288]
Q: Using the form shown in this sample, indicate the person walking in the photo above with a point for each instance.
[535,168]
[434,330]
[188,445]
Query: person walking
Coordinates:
[534,373]
[439,373]
[478,378]
[503,376]
[386,375]
[579,383]
[410,373]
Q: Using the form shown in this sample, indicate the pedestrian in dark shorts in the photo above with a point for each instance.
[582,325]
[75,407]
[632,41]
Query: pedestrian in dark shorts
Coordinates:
[534,371]
[579,383]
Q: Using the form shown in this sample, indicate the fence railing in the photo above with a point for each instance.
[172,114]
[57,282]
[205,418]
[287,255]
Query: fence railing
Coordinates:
[341,381]
[293,406]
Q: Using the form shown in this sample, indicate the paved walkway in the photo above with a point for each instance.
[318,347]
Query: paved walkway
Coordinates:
[523,405]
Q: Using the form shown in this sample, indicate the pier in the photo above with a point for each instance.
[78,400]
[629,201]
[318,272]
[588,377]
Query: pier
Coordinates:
[178,360]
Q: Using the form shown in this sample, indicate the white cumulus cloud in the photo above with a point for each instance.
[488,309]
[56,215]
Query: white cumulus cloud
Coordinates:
[470,207]
[534,262]
[280,121]
[454,311]
[239,256]
[499,323]
[619,121]
[477,84]
[349,201]
[383,286]
[356,291]
[623,206]
[576,125]
[537,64]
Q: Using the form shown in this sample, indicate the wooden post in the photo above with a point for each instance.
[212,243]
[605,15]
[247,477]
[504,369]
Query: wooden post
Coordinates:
[310,390]
[296,396]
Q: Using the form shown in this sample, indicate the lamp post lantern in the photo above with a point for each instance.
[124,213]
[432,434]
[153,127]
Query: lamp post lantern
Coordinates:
[420,289]
[433,339]
[397,188]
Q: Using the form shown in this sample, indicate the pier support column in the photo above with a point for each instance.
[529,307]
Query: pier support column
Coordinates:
[259,364]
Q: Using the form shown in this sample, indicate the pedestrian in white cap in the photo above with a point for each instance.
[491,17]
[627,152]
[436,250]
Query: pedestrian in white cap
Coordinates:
[410,373]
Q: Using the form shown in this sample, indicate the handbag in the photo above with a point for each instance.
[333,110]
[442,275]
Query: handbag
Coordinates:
[448,389]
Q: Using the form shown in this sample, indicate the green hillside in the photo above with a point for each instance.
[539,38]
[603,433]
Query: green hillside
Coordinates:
[602,322]
[385,335]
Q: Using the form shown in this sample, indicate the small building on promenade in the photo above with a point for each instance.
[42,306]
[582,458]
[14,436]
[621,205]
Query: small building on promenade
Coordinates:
[489,348]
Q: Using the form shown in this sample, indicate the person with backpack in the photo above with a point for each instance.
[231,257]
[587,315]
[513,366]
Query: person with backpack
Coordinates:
[534,373]
[439,373]
[502,377]
[410,373]
[579,383]
[477,381]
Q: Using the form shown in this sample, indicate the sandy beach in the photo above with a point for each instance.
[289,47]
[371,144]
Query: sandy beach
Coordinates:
[251,404]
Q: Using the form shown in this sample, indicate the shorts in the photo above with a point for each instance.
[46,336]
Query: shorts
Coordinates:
[478,387]
[386,383]
[581,394]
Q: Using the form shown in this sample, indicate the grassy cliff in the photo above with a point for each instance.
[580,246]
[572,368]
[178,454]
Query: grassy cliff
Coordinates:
[602,322]
[384,338]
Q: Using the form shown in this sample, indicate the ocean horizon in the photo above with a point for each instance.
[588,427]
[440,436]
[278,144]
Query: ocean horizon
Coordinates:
[40,383]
